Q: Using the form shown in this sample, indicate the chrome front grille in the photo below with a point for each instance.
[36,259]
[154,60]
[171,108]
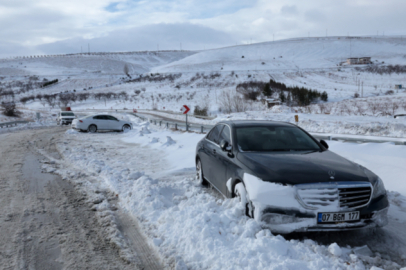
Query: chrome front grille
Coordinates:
[354,197]
[341,195]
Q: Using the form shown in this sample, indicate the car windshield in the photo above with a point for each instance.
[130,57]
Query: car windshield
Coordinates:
[67,114]
[274,138]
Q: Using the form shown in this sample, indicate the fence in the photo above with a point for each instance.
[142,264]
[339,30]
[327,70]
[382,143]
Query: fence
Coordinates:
[14,123]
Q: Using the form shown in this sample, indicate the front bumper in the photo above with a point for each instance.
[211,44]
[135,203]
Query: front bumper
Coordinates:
[375,214]
[66,121]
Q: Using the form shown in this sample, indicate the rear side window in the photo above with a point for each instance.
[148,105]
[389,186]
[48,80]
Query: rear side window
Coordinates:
[109,117]
[214,134]
[225,135]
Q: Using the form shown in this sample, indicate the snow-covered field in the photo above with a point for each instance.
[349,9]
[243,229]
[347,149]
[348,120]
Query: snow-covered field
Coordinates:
[152,170]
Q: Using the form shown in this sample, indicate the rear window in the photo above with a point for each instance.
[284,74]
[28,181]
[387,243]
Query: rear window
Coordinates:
[67,114]
[271,138]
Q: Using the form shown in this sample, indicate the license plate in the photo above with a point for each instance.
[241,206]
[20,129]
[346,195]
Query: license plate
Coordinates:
[337,217]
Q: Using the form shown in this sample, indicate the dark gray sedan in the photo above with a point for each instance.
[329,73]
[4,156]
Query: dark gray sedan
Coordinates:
[288,180]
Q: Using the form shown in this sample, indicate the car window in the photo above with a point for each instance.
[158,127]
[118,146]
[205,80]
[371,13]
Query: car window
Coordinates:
[214,134]
[97,117]
[271,138]
[67,114]
[225,134]
[109,117]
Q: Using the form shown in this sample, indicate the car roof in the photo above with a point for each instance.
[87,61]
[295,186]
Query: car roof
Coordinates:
[255,123]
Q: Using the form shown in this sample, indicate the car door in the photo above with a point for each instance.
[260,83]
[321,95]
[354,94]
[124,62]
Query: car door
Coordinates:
[208,155]
[100,121]
[112,123]
[223,162]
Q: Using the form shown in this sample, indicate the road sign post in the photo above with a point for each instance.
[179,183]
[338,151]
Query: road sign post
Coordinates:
[185,109]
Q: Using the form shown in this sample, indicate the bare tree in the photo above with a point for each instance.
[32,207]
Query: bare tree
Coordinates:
[373,106]
[360,109]
[230,102]
[394,106]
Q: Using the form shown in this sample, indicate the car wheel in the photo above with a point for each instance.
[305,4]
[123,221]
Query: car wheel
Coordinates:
[241,193]
[199,174]
[126,128]
[92,129]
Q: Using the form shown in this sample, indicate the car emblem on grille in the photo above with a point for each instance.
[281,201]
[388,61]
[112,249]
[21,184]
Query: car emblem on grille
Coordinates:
[332,174]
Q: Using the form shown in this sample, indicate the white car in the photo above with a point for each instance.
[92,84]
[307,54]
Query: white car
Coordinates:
[65,117]
[94,123]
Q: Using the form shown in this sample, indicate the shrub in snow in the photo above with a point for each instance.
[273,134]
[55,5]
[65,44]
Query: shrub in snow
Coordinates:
[9,109]
[200,111]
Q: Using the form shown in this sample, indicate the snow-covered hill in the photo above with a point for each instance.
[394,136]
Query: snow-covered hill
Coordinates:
[299,54]
[81,64]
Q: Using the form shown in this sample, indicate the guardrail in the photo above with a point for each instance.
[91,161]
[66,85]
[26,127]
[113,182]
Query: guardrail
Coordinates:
[174,113]
[14,123]
[327,137]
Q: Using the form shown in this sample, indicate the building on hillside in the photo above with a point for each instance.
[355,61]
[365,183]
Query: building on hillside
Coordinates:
[359,60]
[398,86]
[272,102]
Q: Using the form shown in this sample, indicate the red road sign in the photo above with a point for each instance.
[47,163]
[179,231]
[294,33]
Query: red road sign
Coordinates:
[185,109]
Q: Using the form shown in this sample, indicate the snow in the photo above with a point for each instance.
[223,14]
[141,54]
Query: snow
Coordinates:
[150,170]
[384,159]
[335,250]
[194,227]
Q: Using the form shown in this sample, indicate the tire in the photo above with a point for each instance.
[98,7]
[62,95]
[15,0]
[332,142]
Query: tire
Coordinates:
[92,129]
[126,128]
[199,173]
[241,193]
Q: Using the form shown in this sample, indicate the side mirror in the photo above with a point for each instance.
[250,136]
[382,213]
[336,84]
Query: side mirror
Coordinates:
[225,146]
[323,142]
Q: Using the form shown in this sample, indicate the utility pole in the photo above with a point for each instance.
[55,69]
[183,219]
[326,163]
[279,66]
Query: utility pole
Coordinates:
[88,47]
[181,46]
[81,50]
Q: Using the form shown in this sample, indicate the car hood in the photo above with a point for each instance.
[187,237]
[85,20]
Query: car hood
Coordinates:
[301,167]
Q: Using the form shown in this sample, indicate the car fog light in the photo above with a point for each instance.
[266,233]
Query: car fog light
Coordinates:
[279,218]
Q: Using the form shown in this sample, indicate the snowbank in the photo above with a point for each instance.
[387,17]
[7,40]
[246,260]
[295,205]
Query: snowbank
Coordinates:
[194,227]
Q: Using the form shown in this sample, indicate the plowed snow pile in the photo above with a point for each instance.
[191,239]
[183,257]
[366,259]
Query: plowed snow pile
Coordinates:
[193,227]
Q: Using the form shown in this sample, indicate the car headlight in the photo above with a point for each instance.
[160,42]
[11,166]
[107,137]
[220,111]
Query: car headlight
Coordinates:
[379,188]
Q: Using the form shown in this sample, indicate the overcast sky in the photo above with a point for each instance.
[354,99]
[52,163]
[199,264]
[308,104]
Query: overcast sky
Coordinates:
[64,26]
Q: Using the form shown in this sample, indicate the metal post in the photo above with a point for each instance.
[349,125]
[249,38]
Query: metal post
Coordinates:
[187,128]
[167,125]
[201,129]
[176,126]
[160,123]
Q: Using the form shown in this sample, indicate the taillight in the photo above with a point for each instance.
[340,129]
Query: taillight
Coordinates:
[80,121]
